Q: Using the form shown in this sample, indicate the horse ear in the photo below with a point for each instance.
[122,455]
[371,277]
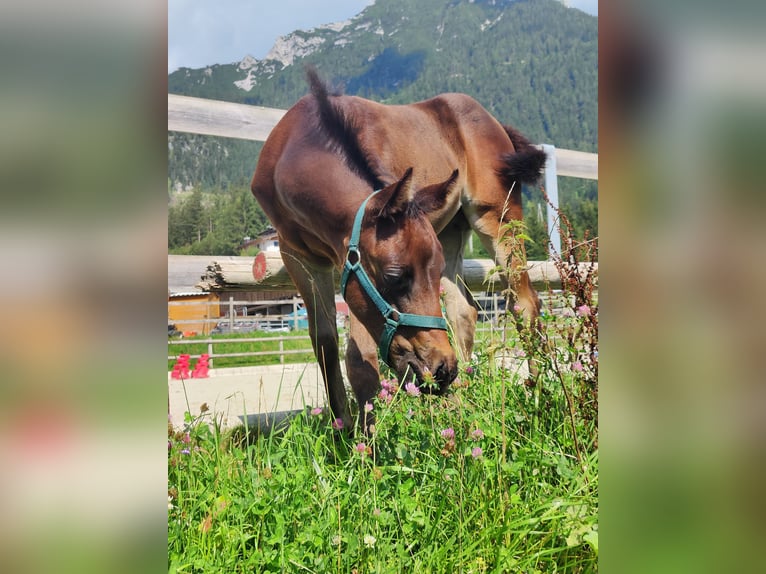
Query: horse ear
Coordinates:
[432,197]
[395,197]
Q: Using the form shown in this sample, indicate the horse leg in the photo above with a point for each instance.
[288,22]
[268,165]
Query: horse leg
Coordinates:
[527,299]
[527,307]
[362,369]
[317,288]
[461,314]
[462,317]
[496,230]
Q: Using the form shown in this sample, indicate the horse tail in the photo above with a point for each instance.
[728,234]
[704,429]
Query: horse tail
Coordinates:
[341,129]
[525,164]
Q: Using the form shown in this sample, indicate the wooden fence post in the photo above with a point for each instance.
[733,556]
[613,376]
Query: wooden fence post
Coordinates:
[295,313]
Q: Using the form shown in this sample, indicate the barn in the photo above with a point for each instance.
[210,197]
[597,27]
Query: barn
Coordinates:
[190,308]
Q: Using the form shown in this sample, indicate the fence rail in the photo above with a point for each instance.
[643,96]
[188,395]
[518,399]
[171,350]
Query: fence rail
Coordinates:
[213,355]
[493,307]
[227,119]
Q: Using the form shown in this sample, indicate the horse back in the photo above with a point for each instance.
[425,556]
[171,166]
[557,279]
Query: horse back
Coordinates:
[305,186]
[436,136]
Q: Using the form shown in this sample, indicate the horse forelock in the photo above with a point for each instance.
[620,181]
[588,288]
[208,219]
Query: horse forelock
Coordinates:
[412,210]
[341,128]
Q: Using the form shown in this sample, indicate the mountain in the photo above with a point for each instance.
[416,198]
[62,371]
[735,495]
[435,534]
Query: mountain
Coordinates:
[532,63]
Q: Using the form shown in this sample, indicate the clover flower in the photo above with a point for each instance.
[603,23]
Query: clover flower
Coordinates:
[428,378]
[449,445]
[316,411]
[476,452]
[477,434]
[583,311]
[337,424]
[388,385]
[412,389]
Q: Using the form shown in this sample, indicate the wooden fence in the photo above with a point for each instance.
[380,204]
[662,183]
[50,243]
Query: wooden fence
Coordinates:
[227,119]
[238,321]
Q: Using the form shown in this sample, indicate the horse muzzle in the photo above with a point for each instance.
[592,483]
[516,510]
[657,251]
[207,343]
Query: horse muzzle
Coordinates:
[432,366]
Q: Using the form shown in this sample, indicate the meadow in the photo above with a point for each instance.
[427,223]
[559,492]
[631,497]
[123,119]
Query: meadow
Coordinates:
[500,475]
[497,476]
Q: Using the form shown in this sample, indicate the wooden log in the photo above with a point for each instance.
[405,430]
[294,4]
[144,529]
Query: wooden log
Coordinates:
[236,274]
[266,271]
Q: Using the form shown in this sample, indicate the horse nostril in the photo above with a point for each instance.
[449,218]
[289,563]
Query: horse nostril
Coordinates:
[445,373]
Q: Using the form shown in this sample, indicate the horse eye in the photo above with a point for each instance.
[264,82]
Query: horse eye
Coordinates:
[395,280]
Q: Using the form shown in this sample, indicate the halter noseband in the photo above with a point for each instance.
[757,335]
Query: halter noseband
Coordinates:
[394,319]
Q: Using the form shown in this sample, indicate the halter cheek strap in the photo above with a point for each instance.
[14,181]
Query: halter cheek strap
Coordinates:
[393,318]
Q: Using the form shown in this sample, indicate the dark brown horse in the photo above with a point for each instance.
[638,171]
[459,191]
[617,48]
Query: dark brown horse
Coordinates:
[443,166]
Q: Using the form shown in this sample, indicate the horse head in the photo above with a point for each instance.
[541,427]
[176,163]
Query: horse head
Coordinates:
[392,277]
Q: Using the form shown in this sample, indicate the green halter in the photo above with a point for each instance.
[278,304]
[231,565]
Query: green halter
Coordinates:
[394,319]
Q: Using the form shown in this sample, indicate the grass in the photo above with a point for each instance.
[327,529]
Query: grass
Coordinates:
[512,487]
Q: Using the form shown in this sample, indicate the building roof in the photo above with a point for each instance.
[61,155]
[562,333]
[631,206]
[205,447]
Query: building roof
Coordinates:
[185,271]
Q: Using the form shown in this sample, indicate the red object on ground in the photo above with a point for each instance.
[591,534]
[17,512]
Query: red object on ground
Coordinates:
[201,368]
[181,368]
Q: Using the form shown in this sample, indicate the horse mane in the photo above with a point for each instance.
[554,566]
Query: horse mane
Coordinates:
[525,165]
[342,130]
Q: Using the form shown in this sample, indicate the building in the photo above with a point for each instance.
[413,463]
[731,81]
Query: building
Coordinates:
[190,309]
[266,241]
